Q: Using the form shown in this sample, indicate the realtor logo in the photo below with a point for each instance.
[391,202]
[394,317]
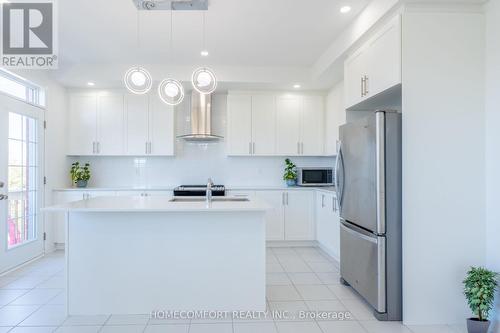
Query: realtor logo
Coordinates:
[28,35]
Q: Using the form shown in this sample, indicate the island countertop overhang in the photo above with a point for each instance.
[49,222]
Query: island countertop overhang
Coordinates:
[156,204]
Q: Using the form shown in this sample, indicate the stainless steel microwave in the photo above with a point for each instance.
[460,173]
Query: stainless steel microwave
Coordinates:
[315,176]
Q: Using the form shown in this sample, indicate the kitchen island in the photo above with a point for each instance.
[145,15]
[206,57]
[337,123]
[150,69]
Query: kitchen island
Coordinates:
[135,255]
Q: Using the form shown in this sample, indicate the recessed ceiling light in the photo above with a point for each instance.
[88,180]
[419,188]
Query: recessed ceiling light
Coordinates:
[204,53]
[345,9]
[91,84]
[296,86]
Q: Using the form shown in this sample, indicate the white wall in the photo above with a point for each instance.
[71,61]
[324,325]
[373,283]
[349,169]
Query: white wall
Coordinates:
[493,143]
[193,163]
[55,139]
[443,162]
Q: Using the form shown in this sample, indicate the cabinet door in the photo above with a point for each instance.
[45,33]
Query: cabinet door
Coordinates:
[354,71]
[327,224]
[82,123]
[299,217]
[288,125]
[239,125]
[334,117]
[161,127]
[384,69]
[263,125]
[312,122]
[137,124]
[275,229]
[110,125]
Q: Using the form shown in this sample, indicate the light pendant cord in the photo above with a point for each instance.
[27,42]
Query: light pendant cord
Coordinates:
[204,33]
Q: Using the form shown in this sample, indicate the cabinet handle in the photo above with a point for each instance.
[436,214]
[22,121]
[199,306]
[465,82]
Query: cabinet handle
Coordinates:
[302,148]
[362,86]
[253,148]
[298,148]
[150,147]
[334,204]
[250,148]
[146,149]
[93,147]
[322,201]
[283,198]
[366,85]
[286,194]
[98,147]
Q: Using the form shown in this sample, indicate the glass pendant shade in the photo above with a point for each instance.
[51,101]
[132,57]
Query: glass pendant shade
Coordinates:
[204,80]
[138,80]
[171,91]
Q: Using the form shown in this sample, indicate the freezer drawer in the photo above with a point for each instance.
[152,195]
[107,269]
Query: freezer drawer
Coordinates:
[362,263]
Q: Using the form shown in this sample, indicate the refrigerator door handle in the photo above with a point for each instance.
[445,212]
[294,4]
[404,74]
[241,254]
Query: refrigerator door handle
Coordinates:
[357,234]
[380,170]
[339,189]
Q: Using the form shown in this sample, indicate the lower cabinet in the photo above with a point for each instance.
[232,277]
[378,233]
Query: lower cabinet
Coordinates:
[328,223]
[291,216]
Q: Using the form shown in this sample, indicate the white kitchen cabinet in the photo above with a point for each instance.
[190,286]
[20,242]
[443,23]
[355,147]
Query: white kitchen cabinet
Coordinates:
[239,124]
[61,197]
[82,124]
[288,109]
[335,116]
[328,223]
[275,217]
[375,66]
[144,193]
[312,126]
[116,124]
[291,216]
[110,124]
[137,124]
[251,124]
[161,127]
[263,125]
[299,216]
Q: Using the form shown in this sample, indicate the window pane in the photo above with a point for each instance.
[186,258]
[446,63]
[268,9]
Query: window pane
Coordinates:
[32,178]
[32,129]
[13,88]
[16,207]
[15,126]
[31,203]
[15,152]
[16,178]
[32,154]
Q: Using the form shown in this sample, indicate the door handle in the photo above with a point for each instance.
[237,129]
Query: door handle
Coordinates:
[4,197]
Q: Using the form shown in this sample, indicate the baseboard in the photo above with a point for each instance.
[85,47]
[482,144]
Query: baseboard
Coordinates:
[291,243]
[20,266]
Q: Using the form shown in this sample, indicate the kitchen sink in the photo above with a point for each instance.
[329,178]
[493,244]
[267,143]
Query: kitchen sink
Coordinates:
[214,199]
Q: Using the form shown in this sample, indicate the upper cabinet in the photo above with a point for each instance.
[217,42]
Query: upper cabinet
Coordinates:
[375,66]
[117,124]
[267,125]
[82,124]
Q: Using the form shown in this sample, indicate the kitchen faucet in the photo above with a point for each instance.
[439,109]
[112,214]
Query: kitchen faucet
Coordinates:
[209,190]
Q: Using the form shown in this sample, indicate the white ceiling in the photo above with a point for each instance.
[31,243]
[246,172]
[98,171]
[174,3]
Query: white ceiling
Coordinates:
[240,34]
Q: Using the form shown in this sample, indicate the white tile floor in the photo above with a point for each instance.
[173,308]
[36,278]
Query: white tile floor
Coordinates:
[298,279]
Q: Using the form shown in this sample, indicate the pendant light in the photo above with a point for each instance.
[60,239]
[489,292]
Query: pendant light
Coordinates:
[171,91]
[203,79]
[137,79]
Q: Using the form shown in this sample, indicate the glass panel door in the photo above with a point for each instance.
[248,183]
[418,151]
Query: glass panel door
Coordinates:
[21,195]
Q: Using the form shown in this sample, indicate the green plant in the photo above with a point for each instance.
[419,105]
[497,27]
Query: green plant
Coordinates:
[479,289]
[290,170]
[80,173]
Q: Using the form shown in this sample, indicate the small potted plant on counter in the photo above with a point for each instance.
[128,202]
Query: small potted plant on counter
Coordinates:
[80,175]
[479,289]
[290,175]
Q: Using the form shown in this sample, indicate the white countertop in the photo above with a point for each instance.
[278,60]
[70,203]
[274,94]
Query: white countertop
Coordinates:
[156,204]
[329,189]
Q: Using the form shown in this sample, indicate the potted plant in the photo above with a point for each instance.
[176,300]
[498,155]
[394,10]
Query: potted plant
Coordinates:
[80,175]
[479,289]
[290,175]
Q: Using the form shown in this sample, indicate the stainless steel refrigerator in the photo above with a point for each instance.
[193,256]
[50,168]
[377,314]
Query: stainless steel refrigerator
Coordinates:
[368,182]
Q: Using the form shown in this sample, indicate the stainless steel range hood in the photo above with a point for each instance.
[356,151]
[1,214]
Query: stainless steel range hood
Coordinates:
[201,119]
